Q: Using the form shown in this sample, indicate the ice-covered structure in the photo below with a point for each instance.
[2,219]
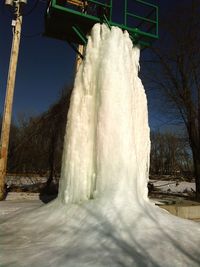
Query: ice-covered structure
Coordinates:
[106,150]
[102,216]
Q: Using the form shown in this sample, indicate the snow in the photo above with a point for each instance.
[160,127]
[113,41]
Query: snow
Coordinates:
[174,186]
[102,216]
[22,196]
[14,206]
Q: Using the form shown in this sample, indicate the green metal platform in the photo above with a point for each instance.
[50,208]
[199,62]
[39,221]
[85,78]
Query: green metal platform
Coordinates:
[72,22]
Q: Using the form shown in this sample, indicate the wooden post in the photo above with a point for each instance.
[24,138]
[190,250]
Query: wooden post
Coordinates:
[5,132]
[78,57]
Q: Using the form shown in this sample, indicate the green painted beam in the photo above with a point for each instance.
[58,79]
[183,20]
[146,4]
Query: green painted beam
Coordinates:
[91,19]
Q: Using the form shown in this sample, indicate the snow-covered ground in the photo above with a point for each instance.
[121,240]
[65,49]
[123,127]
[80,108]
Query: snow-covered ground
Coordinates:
[16,205]
[98,233]
[174,186]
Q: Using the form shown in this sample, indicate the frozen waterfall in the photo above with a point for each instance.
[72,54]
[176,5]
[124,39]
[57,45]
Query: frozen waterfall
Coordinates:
[106,151]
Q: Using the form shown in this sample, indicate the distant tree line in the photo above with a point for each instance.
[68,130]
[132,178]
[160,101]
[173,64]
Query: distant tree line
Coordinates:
[170,155]
[36,146]
[173,69]
[36,143]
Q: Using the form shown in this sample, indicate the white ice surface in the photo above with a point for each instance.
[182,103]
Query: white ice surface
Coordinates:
[174,186]
[106,157]
[107,145]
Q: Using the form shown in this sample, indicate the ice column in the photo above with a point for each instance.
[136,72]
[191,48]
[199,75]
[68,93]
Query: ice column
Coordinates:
[106,147]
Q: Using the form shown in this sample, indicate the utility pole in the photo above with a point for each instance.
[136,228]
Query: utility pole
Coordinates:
[78,57]
[5,131]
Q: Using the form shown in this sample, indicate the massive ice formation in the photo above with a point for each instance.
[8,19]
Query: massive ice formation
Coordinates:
[106,150]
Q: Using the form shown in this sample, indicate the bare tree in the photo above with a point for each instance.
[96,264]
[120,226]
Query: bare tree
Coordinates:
[170,154]
[37,146]
[176,71]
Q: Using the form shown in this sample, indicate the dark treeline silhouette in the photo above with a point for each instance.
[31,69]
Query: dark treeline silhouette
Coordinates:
[36,146]
[36,143]
[174,70]
[170,155]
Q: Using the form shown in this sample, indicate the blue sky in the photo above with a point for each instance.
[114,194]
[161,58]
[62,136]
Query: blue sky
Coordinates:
[45,65]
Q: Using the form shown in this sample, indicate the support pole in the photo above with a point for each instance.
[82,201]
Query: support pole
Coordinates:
[5,132]
[78,57]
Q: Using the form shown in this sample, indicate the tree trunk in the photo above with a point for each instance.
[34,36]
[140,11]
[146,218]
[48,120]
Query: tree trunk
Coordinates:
[193,132]
[51,161]
[197,175]
[50,178]
[2,181]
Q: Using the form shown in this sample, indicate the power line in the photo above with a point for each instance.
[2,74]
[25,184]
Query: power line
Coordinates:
[32,35]
[32,9]
[3,11]
[28,12]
